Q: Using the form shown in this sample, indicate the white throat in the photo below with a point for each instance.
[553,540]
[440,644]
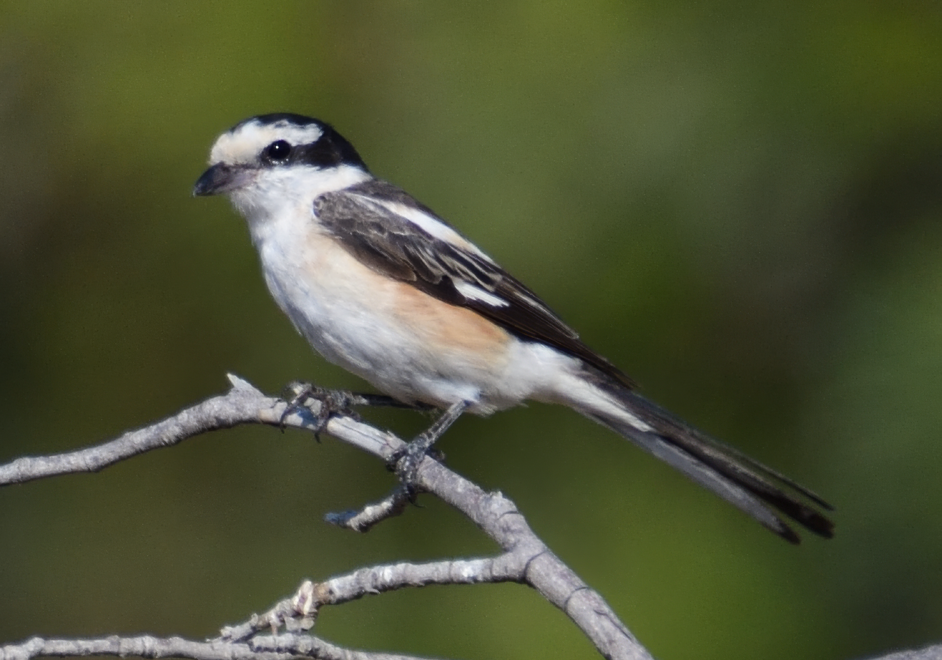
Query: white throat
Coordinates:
[286,195]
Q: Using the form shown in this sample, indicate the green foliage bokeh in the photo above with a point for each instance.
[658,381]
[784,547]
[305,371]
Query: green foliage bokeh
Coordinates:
[737,204]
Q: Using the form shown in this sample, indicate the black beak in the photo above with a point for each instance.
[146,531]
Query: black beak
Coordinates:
[221,178]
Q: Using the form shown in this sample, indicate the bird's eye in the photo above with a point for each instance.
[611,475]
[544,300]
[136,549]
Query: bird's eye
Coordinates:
[277,152]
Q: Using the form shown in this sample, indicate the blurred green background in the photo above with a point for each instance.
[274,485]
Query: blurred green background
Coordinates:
[737,203]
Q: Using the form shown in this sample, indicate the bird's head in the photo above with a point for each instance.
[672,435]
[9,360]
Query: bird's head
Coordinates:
[267,161]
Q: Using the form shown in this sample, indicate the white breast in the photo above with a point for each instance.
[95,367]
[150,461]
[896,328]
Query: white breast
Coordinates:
[405,342]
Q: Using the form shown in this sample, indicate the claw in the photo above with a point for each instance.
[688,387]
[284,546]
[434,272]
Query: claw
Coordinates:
[299,393]
[405,461]
[295,394]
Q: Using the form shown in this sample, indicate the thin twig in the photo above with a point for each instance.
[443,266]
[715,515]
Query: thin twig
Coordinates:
[370,515]
[243,404]
[300,610]
[281,647]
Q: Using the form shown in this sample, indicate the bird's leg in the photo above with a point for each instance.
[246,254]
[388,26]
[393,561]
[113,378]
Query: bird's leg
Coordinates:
[298,393]
[405,462]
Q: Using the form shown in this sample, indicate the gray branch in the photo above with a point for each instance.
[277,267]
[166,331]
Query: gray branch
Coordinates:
[525,559]
[280,647]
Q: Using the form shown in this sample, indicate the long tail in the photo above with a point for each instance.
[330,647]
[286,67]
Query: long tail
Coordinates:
[747,484]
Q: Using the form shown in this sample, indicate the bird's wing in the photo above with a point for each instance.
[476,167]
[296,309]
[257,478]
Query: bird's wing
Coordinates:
[390,231]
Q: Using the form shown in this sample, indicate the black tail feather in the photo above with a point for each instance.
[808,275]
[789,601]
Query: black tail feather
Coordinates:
[740,480]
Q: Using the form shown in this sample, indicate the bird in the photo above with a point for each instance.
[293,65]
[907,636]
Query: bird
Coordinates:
[382,286]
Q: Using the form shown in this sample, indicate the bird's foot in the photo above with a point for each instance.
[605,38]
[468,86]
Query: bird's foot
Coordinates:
[405,461]
[298,396]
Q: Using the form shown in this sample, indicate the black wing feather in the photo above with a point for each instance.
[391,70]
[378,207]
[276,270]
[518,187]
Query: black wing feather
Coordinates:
[399,248]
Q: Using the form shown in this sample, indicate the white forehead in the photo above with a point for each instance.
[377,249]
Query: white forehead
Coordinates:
[245,142]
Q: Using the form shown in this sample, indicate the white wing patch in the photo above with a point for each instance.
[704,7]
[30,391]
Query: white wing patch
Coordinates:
[473,292]
[431,225]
